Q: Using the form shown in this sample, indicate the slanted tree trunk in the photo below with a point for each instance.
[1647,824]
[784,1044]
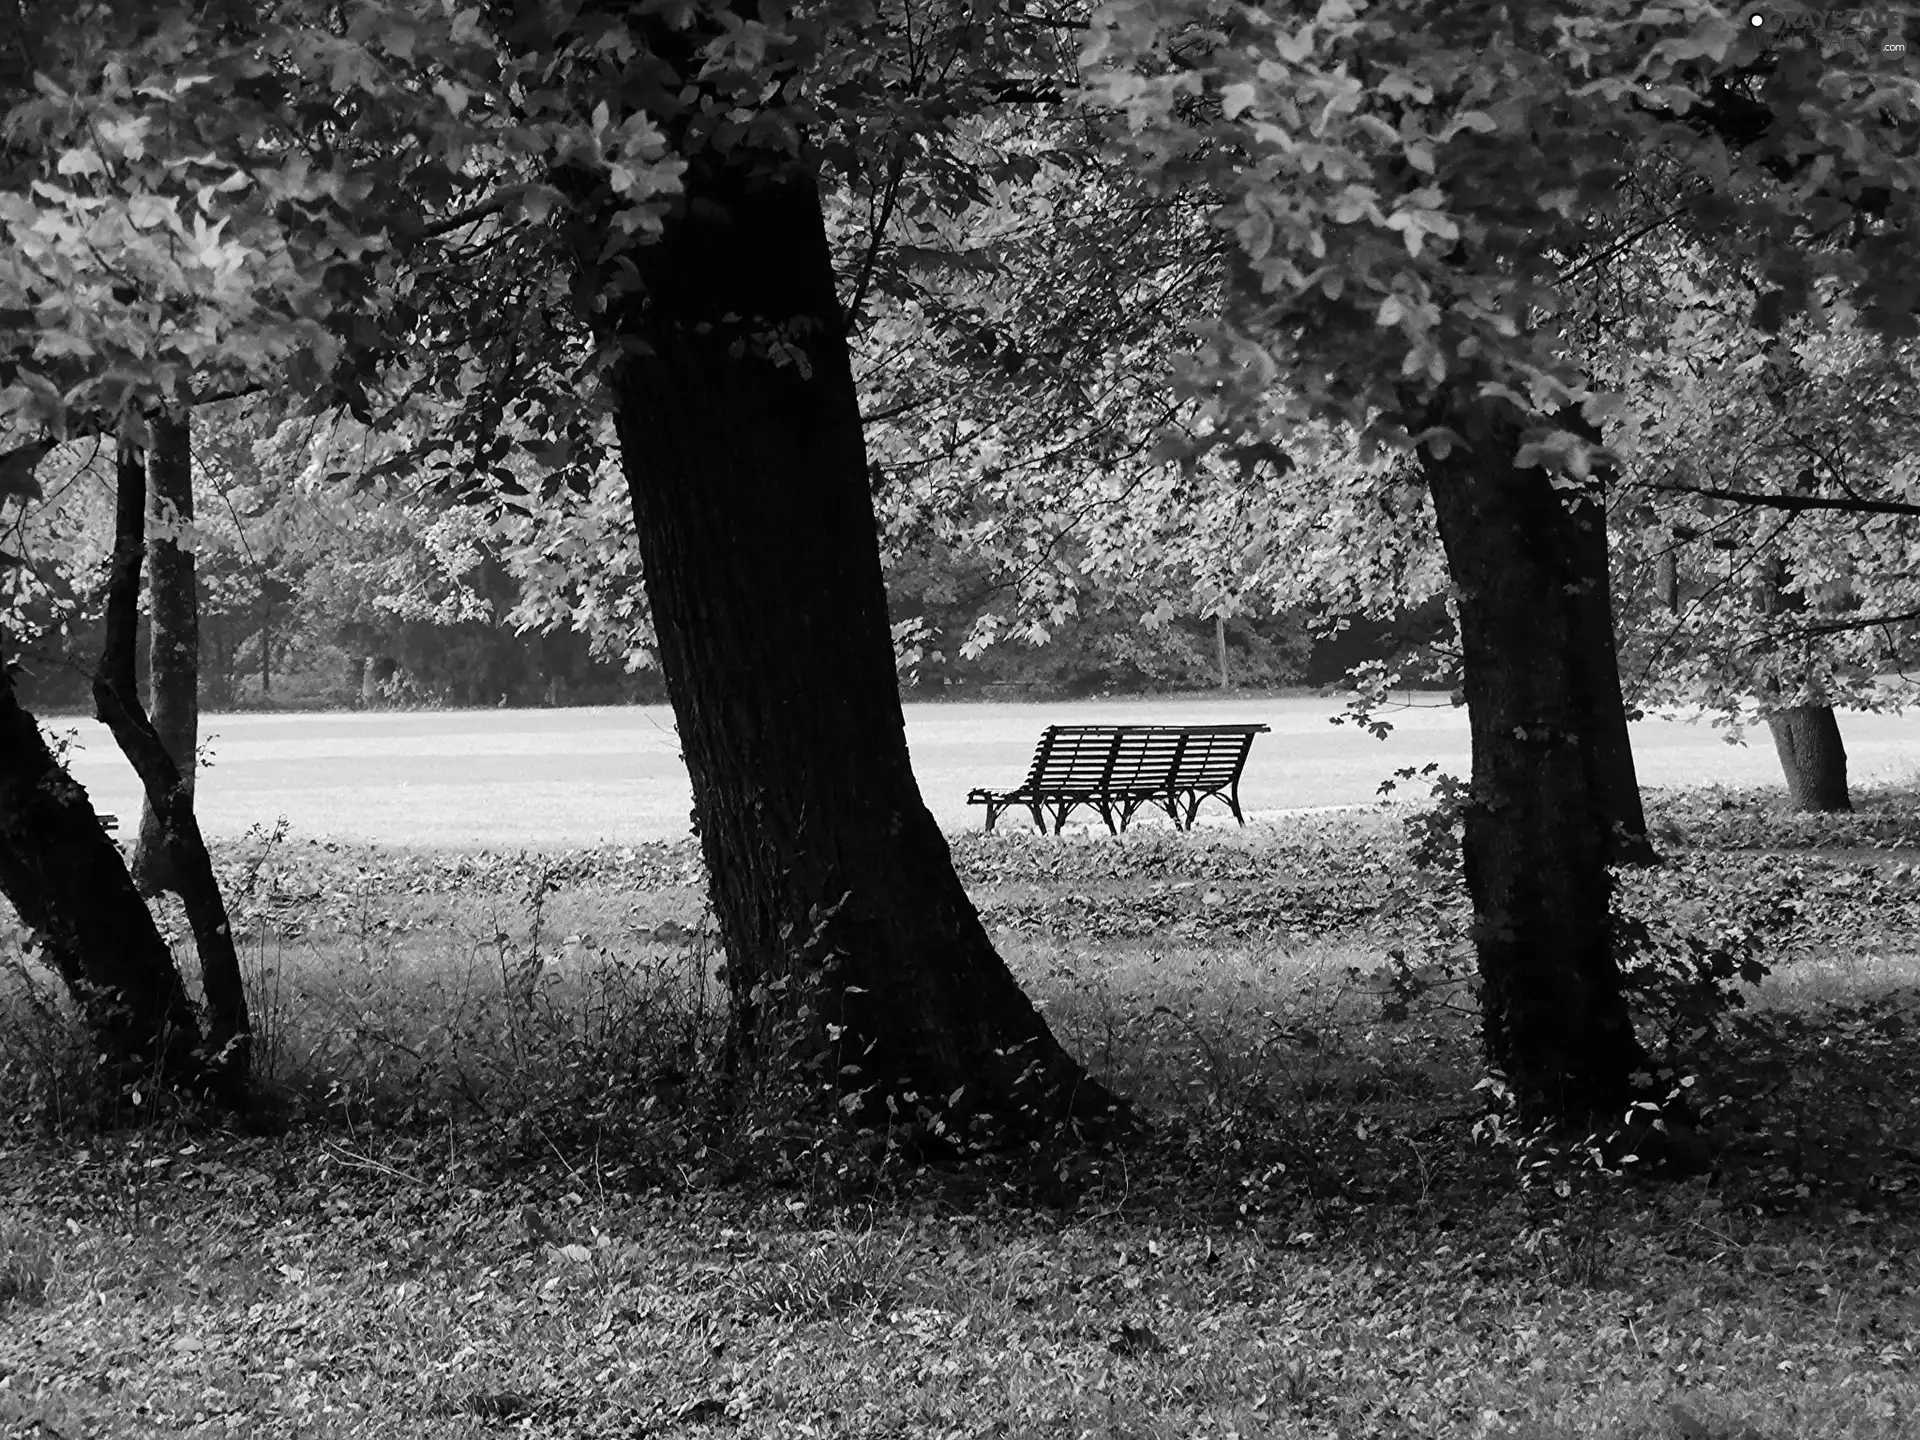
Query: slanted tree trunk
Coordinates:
[173,662]
[1546,782]
[1813,756]
[850,942]
[64,875]
[116,701]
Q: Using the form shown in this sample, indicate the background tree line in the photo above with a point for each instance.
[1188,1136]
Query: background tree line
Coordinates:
[311,594]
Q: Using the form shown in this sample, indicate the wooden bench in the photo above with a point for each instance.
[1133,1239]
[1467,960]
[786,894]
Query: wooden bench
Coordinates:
[1117,770]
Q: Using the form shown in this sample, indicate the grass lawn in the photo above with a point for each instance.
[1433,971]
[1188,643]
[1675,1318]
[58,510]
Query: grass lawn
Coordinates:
[504,779]
[505,1204]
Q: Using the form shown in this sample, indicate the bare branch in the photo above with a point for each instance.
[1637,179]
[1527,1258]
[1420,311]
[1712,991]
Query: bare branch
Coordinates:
[1794,503]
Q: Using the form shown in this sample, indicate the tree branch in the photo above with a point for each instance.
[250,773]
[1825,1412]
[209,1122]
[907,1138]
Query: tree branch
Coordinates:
[492,205]
[116,701]
[1794,503]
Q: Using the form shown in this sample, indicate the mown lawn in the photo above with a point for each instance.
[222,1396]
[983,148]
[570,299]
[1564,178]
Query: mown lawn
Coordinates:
[501,1198]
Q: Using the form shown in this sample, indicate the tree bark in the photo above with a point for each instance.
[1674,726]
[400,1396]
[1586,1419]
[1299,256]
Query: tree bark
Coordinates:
[173,663]
[1603,733]
[1666,580]
[117,703]
[266,645]
[850,942]
[1806,737]
[64,875]
[1813,756]
[1542,820]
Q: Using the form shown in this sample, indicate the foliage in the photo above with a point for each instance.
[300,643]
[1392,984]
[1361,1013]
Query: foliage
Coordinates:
[1800,592]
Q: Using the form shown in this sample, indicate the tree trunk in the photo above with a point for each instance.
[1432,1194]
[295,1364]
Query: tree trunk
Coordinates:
[1603,732]
[266,645]
[850,942]
[173,664]
[1813,756]
[65,877]
[1666,580]
[1546,783]
[1220,645]
[117,703]
[1806,737]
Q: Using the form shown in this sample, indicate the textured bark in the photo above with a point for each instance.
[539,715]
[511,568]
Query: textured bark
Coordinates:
[1813,756]
[850,941]
[1603,730]
[1806,737]
[64,875]
[1538,830]
[1666,580]
[173,664]
[117,703]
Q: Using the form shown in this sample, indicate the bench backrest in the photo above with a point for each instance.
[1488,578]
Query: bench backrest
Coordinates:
[1124,759]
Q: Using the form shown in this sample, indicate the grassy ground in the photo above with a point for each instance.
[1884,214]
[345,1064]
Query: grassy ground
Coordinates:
[502,1204]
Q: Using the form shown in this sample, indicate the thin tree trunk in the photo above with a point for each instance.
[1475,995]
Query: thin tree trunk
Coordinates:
[1813,756]
[117,703]
[1220,644]
[65,876]
[850,942]
[1666,580]
[1538,830]
[266,645]
[173,663]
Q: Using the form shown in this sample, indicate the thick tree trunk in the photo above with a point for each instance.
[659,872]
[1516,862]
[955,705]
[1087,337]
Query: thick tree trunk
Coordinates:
[1806,737]
[65,877]
[851,945]
[1603,733]
[1813,756]
[173,664]
[117,703]
[1546,785]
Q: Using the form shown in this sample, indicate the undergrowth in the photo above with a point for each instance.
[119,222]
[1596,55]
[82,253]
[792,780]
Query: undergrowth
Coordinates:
[504,1185]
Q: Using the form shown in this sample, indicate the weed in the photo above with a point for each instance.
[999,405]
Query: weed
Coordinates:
[826,1275]
[26,1267]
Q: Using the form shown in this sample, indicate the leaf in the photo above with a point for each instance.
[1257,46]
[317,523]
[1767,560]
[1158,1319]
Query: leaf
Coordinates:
[83,161]
[17,467]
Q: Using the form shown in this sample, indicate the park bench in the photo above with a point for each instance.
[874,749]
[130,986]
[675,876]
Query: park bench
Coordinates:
[1117,770]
